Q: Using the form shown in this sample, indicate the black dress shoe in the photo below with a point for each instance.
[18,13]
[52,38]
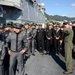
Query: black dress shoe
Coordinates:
[68,72]
[33,54]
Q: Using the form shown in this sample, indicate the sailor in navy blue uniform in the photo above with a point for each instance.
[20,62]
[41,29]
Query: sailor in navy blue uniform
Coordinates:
[40,39]
[2,50]
[6,33]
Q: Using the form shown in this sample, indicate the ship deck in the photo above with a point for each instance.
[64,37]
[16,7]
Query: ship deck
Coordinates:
[46,65]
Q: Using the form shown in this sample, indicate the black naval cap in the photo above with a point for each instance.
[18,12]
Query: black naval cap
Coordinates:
[73,22]
[9,24]
[33,24]
[65,23]
[26,24]
[1,26]
[17,26]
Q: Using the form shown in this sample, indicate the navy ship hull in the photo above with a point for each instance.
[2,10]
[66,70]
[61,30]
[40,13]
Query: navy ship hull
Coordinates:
[20,12]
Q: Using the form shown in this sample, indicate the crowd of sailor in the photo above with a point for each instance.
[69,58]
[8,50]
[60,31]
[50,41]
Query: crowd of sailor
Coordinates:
[18,41]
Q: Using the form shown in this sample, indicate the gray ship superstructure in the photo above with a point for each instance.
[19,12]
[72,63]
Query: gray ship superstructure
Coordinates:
[20,11]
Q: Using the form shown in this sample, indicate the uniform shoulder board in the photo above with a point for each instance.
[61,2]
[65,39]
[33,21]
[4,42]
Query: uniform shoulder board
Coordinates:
[10,33]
